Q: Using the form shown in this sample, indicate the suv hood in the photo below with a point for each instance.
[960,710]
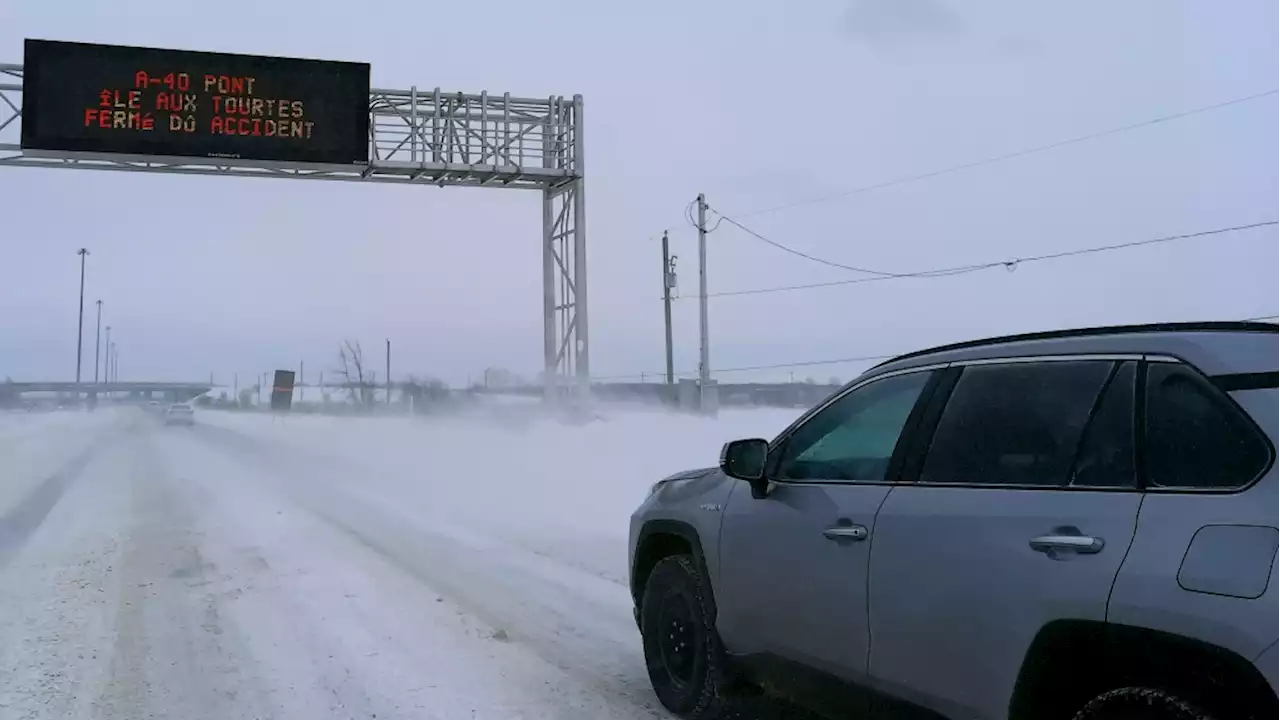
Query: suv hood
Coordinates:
[690,474]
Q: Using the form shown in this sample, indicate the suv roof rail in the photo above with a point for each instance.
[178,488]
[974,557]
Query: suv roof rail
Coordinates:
[1213,326]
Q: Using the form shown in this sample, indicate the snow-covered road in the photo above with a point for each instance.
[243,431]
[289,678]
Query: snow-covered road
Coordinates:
[329,568]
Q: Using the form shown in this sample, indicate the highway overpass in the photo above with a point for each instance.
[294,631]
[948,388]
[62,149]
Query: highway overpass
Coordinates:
[171,391]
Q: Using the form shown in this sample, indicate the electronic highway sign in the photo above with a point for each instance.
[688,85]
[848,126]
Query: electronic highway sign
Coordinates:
[282,390]
[86,98]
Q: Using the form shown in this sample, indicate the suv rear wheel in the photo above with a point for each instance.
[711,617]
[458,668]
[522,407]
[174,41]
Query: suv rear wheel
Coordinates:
[1140,703]
[681,648]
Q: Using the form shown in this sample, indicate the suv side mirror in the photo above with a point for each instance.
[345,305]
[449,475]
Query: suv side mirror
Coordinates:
[745,460]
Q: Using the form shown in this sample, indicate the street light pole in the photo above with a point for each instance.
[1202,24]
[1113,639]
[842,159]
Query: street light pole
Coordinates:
[97,345]
[83,253]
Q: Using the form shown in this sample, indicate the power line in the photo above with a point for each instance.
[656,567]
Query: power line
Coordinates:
[1011,155]
[808,363]
[774,366]
[792,250]
[811,363]
[823,261]
[1011,265]
[1003,157]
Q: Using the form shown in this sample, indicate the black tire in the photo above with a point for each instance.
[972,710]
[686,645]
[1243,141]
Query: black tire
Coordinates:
[682,651]
[1140,703]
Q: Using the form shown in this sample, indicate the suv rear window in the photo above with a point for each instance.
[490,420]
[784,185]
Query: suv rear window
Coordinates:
[1195,437]
[1015,423]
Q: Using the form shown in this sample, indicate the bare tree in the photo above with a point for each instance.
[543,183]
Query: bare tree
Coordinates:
[351,369]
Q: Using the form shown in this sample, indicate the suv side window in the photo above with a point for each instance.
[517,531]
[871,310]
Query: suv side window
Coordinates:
[853,438]
[1195,438]
[1014,423]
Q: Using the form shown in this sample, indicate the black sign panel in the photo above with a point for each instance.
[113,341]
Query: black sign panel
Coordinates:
[282,390]
[79,97]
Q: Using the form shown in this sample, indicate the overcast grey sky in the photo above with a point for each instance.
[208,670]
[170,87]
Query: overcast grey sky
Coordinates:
[755,103]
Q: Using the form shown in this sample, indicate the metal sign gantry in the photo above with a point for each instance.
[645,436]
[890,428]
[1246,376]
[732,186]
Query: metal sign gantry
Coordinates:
[426,138]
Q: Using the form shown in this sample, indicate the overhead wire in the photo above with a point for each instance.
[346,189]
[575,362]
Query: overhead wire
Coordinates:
[904,180]
[832,263]
[734,219]
[880,276]
[793,251]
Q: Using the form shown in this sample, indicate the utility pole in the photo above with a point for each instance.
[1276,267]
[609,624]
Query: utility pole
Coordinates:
[97,345]
[83,253]
[668,283]
[388,372]
[106,361]
[704,350]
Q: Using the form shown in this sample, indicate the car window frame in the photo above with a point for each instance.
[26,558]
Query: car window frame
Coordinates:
[1220,396]
[924,440]
[1139,377]
[917,434]
[924,434]
[905,439]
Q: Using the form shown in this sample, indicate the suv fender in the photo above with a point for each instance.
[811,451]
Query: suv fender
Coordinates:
[1266,664]
[1072,661]
[663,538]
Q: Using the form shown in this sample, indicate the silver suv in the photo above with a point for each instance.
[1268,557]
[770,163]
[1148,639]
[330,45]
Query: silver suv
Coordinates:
[1076,524]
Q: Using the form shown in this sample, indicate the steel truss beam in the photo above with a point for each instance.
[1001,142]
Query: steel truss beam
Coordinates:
[425,138]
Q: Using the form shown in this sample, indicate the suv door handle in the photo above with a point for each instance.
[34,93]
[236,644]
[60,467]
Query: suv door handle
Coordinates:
[1082,544]
[846,532]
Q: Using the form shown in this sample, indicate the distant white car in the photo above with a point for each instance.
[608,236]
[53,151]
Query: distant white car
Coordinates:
[180,414]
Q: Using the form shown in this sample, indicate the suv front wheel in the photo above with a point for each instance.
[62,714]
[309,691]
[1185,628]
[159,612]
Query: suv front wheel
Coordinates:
[681,648]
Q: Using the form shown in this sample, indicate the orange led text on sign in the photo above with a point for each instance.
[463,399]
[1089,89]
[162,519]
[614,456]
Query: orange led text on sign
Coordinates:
[236,108]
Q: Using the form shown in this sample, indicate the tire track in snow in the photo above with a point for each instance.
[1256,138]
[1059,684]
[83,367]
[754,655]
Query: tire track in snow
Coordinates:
[24,518]
[174,653]
[570,616]
[572,619]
